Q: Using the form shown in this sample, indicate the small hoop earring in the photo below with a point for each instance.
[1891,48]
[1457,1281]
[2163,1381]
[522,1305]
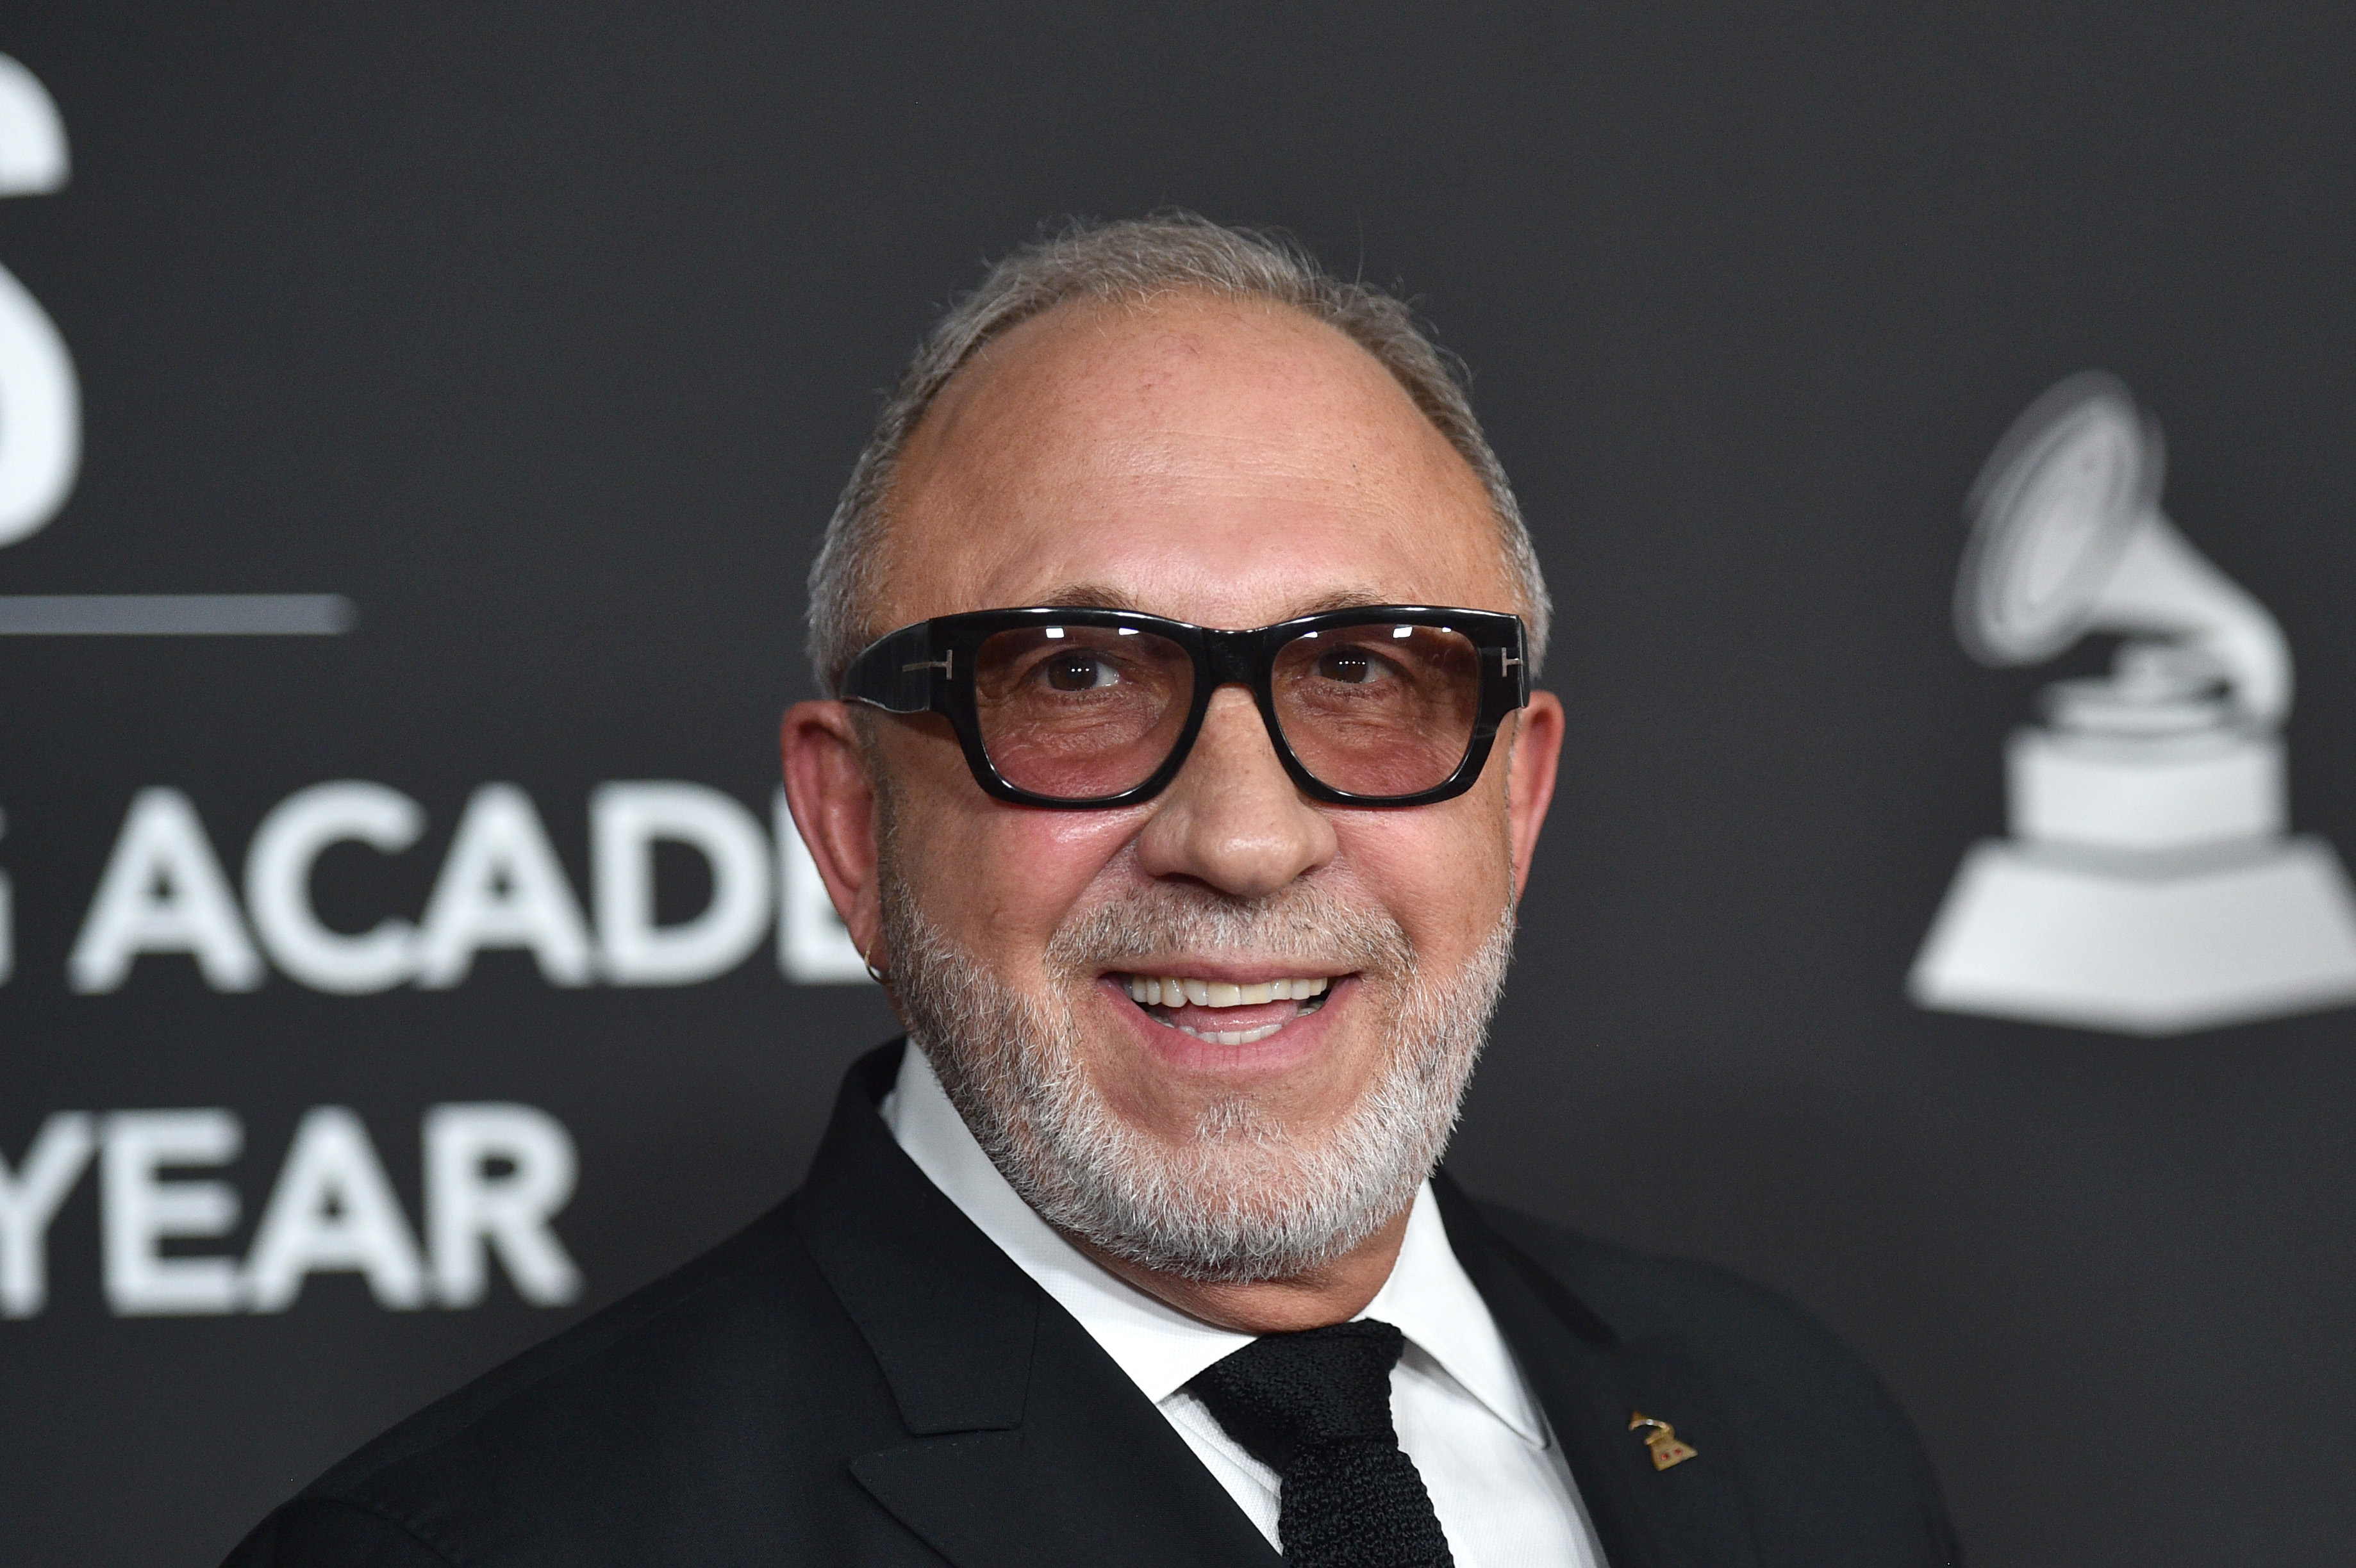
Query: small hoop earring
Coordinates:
[881,976]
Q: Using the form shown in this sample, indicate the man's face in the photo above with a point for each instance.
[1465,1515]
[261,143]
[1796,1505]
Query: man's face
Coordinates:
[1231,465]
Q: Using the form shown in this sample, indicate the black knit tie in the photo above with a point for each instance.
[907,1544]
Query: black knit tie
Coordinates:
[1315,1407]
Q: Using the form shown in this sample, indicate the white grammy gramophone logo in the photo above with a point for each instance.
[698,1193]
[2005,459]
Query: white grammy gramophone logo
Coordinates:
[2149,886]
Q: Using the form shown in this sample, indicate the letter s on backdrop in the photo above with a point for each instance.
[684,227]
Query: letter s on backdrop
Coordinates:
[40,400]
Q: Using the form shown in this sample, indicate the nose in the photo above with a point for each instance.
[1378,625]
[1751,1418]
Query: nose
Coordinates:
[1232,817]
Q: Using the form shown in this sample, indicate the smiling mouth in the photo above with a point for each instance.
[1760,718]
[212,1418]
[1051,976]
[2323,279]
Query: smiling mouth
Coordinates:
[1193,1007]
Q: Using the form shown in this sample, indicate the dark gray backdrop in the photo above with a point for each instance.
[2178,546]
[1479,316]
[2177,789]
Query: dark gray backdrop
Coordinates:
[547,337]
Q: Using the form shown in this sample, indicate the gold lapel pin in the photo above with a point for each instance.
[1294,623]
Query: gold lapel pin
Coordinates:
[1667,1447]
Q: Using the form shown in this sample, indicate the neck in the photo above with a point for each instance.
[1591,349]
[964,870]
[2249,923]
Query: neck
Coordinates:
[1332,1292]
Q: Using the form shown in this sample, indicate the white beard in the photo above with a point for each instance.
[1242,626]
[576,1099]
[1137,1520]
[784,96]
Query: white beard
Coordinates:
[1246,1198]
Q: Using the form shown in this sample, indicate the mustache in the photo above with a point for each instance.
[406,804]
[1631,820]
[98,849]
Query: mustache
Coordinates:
[1307,923]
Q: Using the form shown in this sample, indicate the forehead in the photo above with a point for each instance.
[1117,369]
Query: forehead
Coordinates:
[1230,462]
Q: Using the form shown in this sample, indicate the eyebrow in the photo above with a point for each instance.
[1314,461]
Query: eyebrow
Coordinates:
[1104,596]
[1087,596]
[1339,598]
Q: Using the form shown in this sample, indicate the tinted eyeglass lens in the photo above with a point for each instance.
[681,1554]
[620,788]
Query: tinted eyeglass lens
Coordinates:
[1379,710]
[1080,713]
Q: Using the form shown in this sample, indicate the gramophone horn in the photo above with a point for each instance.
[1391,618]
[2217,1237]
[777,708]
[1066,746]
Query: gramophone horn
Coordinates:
[2053,510]
[2068,537]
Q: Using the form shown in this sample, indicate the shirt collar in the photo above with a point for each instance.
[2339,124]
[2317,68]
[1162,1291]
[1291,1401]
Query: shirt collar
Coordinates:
[1427,1296]
[1435,1304]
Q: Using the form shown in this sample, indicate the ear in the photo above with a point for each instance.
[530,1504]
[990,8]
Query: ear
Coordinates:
[833,801]
[1536,751]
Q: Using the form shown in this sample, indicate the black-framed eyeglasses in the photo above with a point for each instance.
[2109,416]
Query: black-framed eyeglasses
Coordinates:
[1382,705]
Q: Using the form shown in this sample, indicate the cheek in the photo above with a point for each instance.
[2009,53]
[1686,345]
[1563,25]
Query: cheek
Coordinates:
[1001,879]
[1445,872]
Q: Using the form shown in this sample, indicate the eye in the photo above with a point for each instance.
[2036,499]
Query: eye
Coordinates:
[1078,671]
[1350,667]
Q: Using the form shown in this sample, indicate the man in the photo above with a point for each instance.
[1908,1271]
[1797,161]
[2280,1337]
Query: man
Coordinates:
[1182,776]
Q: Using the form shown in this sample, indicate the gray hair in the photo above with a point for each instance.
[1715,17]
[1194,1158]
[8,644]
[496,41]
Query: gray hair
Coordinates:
[1135,260]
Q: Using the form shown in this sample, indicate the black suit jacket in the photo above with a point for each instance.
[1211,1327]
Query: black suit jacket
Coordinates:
[862,1377]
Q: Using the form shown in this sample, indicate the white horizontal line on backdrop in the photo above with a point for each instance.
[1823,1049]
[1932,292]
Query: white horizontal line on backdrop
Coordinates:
[176,614]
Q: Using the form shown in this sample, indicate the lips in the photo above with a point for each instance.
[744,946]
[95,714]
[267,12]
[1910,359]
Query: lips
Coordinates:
[1224,1012]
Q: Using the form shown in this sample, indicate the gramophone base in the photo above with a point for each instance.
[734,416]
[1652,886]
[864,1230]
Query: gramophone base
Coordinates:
[2142,944]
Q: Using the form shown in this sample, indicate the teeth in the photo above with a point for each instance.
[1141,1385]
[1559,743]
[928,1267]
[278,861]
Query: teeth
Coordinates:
[1170,991]
[1233,1036]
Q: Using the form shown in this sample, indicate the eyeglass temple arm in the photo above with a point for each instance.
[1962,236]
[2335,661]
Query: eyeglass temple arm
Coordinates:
[1514,660]
[897,674]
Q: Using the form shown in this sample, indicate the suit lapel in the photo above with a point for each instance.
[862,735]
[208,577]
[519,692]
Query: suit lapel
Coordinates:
[1096,1475]
[1029,1446]
[1591,1382]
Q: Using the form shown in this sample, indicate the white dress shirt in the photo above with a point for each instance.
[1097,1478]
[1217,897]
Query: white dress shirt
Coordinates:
[1497,1480]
